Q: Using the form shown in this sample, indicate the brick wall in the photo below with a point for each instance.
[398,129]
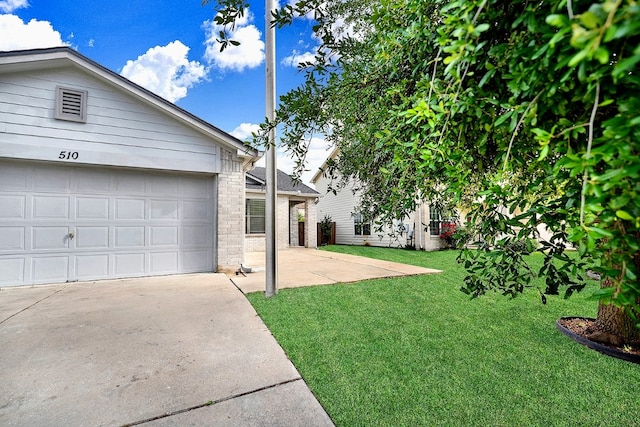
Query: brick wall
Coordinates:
[310,225]
[283,222]
[255,243]
[286,218]
[293,224]
[231,183]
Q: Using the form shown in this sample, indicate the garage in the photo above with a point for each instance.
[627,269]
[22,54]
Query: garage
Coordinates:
[65,223]
[102,179]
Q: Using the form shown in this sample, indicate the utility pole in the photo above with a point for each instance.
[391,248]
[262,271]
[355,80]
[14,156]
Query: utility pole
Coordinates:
[271,217]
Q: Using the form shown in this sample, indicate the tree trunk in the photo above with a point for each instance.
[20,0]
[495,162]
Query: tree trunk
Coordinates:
[614,323]
[615,326]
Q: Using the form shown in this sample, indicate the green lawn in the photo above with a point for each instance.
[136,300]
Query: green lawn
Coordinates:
[417,351]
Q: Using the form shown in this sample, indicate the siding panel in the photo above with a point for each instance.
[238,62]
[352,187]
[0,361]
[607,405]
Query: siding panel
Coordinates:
[116,123]
[341,207]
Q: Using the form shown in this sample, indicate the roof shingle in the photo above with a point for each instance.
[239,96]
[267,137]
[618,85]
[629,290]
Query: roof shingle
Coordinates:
[256,180]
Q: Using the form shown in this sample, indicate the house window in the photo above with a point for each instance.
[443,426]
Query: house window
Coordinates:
[71,104]
[254,216]
[435,219]
[361,228]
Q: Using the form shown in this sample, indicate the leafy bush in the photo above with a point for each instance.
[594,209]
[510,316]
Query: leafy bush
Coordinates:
[447,232]
[325,229]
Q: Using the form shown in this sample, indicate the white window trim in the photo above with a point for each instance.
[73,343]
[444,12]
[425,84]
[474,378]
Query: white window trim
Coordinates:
[358,222]
[435,216]
[71,110]
[247,218]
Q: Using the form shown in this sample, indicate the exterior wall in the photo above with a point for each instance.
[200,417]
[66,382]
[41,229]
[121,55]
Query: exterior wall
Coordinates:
[283,222]
[126,130]
[423,239]
[545,233]
[293,224]
[257,242]
[121,130]
[231,207]
[287,218]
[341,207]
[310,229]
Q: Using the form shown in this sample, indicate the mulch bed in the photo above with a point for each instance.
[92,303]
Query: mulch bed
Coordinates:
[583,327]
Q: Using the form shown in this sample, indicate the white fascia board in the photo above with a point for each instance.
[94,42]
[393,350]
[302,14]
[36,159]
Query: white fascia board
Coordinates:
[322,168]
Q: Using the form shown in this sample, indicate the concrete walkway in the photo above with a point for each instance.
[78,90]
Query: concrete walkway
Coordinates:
[307,267]
[185,350]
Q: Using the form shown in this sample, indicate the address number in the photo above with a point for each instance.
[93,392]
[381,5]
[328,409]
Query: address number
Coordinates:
[68,155]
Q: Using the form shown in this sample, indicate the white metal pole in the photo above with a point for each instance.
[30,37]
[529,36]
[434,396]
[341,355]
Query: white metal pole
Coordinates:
[271,216]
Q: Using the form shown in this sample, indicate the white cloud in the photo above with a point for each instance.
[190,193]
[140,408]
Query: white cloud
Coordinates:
[16,35]
[308,15]
[8,6]
[250,52]
[340,29]
[296,58]
[166,71]
[319,150]
[244,131]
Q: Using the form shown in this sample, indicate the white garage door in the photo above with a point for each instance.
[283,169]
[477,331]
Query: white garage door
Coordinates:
[63,223]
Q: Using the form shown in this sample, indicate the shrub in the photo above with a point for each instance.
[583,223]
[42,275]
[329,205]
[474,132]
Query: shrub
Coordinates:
[325,229]
[447,233]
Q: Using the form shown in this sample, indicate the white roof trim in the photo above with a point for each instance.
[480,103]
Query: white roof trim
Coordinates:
[285,193]
[322,168]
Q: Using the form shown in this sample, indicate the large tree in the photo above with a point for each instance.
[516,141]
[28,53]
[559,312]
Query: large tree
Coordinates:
[524,113]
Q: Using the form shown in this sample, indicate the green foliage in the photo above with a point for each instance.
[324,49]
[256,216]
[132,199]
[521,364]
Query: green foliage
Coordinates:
[227,13]
[525,114]
[447,233]
[462,237]
[325,228]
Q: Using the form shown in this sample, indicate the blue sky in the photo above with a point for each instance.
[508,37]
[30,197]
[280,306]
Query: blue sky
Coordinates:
[168,46]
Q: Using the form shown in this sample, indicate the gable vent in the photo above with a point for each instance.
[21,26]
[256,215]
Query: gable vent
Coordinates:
[71,105]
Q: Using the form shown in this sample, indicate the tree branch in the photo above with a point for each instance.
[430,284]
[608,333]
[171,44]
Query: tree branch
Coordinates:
[585,175]
[570,9]
[515,131]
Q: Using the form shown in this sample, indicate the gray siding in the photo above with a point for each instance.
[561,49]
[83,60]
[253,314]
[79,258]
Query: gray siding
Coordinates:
[341,207]
[120,129]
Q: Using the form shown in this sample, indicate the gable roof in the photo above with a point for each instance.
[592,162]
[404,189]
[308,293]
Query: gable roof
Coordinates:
[34,59]
[256,180]
[334,155]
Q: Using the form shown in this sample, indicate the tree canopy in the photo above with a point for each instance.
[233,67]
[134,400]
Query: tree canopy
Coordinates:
[522,113]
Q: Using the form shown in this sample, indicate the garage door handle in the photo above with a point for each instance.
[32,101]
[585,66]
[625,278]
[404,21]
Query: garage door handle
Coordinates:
[71,235]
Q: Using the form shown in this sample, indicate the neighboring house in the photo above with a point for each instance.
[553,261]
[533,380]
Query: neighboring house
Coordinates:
[102,179]
[296,201]
[420,230]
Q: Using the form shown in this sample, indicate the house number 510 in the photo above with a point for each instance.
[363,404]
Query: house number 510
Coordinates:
[68,155]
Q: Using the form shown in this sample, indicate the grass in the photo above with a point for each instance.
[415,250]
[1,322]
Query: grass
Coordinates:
[416,351]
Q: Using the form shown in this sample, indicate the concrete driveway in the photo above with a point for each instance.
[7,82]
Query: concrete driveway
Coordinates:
[185,350]
[307,267]
[180,350]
